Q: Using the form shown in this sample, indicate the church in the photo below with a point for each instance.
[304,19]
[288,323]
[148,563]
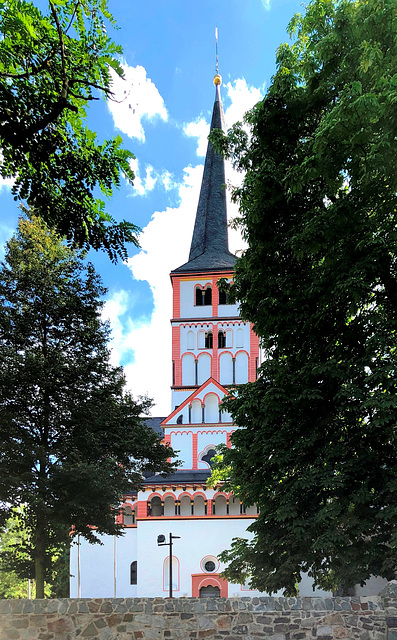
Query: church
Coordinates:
[212,348]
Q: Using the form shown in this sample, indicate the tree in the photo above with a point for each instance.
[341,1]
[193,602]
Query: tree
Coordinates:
[317,445]
[51,67]
[73,439]
[13,542]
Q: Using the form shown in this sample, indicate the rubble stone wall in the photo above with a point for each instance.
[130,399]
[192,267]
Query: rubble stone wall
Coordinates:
[365,618]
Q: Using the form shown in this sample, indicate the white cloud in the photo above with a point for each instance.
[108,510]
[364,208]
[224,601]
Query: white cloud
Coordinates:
[199,129]
[136,98]
[6,183]
[243,98]
[143,186]
[165,243]
[266,4]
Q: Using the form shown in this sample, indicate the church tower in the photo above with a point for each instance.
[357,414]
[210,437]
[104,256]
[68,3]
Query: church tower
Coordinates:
[212,349]
[208,338]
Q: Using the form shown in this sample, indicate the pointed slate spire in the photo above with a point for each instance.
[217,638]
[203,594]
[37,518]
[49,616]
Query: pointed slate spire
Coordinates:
[209,250]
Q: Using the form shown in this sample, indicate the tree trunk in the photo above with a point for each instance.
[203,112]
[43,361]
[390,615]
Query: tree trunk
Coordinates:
[39,559]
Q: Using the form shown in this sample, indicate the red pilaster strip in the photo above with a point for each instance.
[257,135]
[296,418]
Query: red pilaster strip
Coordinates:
[195,452]
[141,509]
[254,353]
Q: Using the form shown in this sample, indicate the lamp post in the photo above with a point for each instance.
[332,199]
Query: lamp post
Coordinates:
[162,543]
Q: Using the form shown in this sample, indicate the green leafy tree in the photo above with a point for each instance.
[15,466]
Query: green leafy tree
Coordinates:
[73,439]
[317,445]
[14,540]
[51,67]
[17,564]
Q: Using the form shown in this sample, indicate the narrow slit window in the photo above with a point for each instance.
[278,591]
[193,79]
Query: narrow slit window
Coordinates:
[209,340]
[221,340]
[133,573]
[208,296]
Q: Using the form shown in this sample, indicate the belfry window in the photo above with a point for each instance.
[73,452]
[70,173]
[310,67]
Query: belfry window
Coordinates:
[209,340]
[199,297]
[221,340]
[203,296]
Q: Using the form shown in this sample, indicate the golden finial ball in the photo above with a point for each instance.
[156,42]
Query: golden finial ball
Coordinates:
[217,79]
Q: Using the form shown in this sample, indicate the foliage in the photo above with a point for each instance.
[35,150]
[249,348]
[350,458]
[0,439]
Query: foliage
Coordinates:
[13,541]
[51,67]
[73,439]
[17,566]
[316,449]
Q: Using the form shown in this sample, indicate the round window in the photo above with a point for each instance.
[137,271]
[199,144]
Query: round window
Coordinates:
[209,566]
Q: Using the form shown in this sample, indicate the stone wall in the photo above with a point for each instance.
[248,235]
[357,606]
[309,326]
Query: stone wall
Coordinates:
[365,618]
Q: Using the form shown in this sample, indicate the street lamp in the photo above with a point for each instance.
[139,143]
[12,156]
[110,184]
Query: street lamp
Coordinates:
[162,543]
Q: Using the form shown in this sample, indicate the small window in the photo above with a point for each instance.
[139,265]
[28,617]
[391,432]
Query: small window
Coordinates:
[209,340]
[133,573]
[190,340]
[208,455]
[208,296]
[210,592]
[209,566]
[221,340]
[128,516]
[179,419]
[222,297]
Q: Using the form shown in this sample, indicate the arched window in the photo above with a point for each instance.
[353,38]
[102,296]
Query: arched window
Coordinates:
[169,506]
[199,297]
[208,296]
[241,368]
[133,573]
[199,506]
[221,340]
[211,408]
[220,506]
[234,506]
[209,340]
[175,574]
[239,338]
[155,505]
[190,340]
[201,339]
[203,368]
[186,507]
[128,517]
[197,414]
[223,296]
[208,454]
[226,368]
[252,510]
[188,369]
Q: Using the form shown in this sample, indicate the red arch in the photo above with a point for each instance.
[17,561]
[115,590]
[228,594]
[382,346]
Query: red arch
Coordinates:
[152,495]
[199,493]
[169,494]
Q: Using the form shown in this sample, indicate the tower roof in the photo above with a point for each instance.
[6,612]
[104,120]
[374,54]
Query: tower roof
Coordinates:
[209,249]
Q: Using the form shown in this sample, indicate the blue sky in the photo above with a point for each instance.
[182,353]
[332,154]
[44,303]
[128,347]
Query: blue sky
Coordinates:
[163,112]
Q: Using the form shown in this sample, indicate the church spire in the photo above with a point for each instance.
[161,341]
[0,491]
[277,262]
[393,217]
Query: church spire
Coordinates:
[209,249]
